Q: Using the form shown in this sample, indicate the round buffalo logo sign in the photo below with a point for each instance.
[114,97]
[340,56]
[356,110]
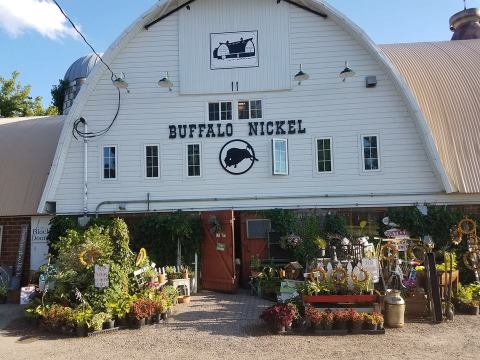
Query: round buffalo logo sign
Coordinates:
[237,157]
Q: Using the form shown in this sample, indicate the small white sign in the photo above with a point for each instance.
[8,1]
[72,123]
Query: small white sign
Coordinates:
[234,50]
[371,265]
[101,276]
[40,227]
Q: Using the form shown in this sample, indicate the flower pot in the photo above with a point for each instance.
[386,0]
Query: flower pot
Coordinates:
[369,326]
[380,326]
[184,299]
[322,253]
[136,323]
[161,278]
[277,328]
[81,331]
[164,316]
[340,325]
[326,326]
[109,324]
[156,319]
[121,322]
[357,325]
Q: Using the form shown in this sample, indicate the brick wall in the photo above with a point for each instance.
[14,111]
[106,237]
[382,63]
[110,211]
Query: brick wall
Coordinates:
[12,230]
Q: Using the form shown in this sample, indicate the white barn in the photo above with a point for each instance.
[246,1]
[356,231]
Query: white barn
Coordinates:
[319,143]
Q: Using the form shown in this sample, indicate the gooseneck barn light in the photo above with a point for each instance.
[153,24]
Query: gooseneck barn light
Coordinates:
[165,82]
[119,81]
[347,72]
[301,76]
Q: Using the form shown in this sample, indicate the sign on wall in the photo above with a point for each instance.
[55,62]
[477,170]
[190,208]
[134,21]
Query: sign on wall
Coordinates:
[237,157]
[39,245]
[234,50]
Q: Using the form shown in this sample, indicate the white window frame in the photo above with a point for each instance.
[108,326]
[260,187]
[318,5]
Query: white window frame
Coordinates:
[362,155]
[200,158]
[1,238]
[219,102]
[145,171]
[250,109]
[275,171]
[331,155]
[102,163]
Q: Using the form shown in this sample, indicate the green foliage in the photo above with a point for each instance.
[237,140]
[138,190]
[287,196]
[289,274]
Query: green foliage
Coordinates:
[445,266]
[283,221]
[15,99]
[309,231]
[313,288]
[98,319]
[59,225]
[335,224]
[159,234]
[469,294]
[58,95]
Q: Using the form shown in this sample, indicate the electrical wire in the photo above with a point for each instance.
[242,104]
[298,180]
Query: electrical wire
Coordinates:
[75,130]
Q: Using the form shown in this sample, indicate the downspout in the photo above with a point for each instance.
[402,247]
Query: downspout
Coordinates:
[85,171]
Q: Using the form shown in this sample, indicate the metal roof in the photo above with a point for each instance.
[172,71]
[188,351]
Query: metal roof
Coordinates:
[81,67]
[444,78]
[27,147]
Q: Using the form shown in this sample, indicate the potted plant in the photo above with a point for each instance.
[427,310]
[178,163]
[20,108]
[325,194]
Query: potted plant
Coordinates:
[280,316]
[327,320]
[3,292]
[98,320]
[378,317]
[185,270]
[313,317]
[356,319]
[342,317]
[321,245]
[82,318]
[255,265]
[139,311]
[370,321]
[120,308]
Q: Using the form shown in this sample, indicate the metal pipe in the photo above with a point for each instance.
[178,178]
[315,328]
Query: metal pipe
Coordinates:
[271,197]
[85,171]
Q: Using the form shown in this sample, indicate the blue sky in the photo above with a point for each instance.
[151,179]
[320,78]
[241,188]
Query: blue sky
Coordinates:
[42,59]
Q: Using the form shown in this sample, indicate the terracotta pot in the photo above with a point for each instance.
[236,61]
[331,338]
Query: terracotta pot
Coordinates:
[162,278]
[340,325]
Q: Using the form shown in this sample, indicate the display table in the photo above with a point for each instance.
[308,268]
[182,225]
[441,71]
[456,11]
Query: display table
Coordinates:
[362,303]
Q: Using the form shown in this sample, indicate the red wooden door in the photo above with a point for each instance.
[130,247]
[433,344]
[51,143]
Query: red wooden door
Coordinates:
[218,251]
[250,247]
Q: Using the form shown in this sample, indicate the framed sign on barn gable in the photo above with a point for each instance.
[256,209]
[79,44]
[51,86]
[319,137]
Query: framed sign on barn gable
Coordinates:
[231,50]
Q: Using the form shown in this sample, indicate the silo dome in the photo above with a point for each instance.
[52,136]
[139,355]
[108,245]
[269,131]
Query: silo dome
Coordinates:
[466,24]
[81,67]
[75,77]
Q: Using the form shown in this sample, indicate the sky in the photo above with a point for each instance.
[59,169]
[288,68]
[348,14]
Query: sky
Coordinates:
[37,41]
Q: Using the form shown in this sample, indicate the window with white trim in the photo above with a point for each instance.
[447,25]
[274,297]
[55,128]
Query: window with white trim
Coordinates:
[1,237]
[324,155]
[370,153]
[193,160]
[109,162]
[250,109]
[152,170]
[280,156]
[220,111]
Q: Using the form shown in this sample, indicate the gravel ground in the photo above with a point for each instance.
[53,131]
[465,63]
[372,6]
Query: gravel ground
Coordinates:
[220,326]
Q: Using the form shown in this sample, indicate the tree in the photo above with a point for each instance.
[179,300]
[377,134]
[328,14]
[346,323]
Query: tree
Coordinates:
[58,94]
[15,99]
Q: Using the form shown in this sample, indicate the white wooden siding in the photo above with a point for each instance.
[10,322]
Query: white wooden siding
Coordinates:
[218,16]
[327,106]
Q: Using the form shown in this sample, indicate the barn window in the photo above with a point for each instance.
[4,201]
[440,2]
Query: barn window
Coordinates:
[324,155]
[250,109]
[193,160]
[109,162]
[370,153]
[220,111]
[280,156]
[152,162]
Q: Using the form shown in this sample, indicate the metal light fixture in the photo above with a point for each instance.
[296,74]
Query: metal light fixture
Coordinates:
[301,76]
[119,81]
[347,72]
[165,82]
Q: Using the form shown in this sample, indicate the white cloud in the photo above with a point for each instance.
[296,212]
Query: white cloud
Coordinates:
[18,16]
